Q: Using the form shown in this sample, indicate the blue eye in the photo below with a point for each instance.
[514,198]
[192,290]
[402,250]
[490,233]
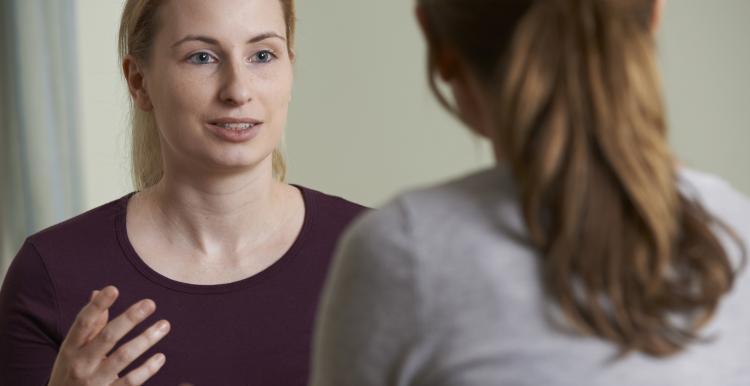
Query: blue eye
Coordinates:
[264,56]
[201,58]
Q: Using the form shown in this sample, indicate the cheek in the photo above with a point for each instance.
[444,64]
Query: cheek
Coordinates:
[177,98]
[277,93]
[181,92]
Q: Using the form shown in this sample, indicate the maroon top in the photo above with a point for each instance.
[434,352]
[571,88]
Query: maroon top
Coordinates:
[256,331]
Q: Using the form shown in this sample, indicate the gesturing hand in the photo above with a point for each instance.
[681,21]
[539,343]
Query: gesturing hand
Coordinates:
[83,358]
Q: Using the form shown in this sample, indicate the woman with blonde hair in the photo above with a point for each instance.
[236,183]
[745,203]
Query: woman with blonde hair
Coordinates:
[586,257]
[233,256]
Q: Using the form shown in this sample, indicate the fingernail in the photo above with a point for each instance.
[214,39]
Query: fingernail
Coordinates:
[145,307]
[162,327]
[160,359]
[109,291]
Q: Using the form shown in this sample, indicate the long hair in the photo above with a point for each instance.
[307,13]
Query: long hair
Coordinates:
[580,120]
[137,32]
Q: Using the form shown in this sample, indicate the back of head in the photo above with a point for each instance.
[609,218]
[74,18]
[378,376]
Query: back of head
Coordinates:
[579,117]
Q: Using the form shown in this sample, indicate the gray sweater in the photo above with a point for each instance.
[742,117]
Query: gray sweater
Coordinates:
[437,289]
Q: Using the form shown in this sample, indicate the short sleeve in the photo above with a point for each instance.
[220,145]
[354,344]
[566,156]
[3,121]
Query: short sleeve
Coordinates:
[367,324]
[28,321]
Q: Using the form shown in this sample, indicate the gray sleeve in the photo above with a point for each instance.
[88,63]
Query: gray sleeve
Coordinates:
[367,323]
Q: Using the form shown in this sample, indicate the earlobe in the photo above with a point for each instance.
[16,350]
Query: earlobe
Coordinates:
[447,65]
[144,102]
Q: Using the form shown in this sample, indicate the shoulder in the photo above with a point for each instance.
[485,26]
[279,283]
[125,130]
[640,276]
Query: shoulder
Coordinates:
[463,195]
[710,188]
[435,222]
[450,210]
[333,209]
[731,209]
[80,230]
[457,248]
[52,262]
[53,268]
[72,251]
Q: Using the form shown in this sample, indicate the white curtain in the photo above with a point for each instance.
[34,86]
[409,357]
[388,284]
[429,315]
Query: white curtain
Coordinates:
[40,179]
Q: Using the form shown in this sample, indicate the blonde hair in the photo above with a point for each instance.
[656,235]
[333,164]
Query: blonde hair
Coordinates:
[137,31]
[580,120]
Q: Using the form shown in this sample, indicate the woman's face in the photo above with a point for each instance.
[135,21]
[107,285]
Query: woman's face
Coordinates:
[219,80]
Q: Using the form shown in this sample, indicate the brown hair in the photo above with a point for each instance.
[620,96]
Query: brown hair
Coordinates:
[137,31]
[580,120]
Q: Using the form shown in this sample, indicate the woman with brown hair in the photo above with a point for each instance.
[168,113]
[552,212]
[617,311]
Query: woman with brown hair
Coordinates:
[233,256]
[586,257]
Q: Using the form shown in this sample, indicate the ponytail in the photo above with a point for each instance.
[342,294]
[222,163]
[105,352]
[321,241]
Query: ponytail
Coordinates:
[580,120]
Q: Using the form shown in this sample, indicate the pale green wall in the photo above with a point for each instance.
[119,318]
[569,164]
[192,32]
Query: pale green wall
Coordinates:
[105,156]
[706,61]
[363,124]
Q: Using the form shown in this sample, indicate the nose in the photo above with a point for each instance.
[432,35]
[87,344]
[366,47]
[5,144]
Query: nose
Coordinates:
[237,86]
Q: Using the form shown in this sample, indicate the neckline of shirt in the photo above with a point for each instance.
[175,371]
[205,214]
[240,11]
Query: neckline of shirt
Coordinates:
[268,273]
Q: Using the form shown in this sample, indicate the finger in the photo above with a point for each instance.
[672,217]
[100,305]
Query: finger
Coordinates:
[129,352]
[142,374]
[100,323]
[89,317]
[118,327]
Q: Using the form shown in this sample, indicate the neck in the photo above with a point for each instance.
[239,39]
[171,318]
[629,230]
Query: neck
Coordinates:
[218,215]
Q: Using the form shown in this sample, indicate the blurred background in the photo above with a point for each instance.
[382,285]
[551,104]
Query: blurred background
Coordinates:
[363,124]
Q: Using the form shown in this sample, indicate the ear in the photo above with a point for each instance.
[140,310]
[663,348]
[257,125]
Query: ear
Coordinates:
[445,59]
[421,14]
[657,13]
[136,83]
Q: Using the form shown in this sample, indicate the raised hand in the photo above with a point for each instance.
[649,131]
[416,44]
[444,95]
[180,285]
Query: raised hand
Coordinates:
[83,358]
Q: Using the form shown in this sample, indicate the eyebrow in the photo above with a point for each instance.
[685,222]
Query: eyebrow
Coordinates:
[212,41]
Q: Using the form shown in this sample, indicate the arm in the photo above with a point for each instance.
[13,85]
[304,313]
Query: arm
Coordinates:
[29,331]
[367,325]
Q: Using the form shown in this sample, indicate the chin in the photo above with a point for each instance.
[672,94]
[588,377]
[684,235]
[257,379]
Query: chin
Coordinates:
[240,162]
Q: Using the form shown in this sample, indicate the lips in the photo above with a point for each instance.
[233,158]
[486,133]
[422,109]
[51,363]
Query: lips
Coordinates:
[234,129]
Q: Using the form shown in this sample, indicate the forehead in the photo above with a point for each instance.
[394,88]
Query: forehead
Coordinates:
[223,19]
